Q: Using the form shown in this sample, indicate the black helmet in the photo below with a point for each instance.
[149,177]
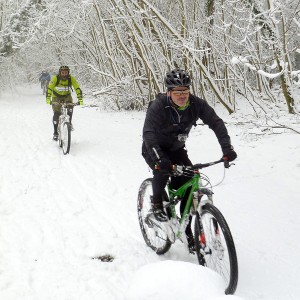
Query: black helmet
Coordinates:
[64,68]
[176,78]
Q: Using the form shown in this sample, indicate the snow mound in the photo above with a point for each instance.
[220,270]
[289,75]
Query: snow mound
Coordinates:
[176,281]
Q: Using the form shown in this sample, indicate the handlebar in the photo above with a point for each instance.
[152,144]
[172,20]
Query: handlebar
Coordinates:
[224,159]
[182,170]
[65,103]
[202,166]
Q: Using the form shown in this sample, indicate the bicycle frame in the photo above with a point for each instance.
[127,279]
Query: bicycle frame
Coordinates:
[64,117]
[195,195]
[177,195]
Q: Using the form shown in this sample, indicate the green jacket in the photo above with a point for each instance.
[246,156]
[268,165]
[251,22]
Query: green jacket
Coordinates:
[63,88]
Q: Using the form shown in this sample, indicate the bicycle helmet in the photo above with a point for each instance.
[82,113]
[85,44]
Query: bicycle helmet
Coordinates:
[176,78]
[64,68]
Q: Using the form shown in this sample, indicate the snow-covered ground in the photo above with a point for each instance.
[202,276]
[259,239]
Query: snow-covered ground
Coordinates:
[57,212]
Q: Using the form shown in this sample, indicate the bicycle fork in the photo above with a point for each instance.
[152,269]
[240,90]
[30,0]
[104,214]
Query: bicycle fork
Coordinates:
[198,206]
[63,118]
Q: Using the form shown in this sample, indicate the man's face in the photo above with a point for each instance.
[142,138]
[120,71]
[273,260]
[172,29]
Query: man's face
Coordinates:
[179,95]
[64,74]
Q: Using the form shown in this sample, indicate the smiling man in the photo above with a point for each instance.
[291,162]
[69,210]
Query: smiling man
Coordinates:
[167,125]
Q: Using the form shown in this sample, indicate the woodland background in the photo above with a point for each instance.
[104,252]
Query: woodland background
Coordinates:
[238,52]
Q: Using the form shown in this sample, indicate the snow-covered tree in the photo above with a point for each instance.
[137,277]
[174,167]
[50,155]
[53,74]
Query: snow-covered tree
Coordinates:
[121,49]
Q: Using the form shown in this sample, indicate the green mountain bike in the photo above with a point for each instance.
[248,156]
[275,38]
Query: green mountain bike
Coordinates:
[214,244]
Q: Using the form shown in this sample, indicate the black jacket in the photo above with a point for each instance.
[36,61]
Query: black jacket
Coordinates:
[164,123]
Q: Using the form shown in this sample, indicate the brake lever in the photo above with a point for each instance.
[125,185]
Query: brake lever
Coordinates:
[227,164]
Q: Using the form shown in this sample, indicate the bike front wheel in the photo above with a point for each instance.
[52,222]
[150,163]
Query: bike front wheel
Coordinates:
[66,137]
[215,246]
[154,235]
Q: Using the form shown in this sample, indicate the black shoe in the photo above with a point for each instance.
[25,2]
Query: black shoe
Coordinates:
[55,136]
[159,213]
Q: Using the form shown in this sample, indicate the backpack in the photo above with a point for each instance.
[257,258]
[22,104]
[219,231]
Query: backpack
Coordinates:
[69,82]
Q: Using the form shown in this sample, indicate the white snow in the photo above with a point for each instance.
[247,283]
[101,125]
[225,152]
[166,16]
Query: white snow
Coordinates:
[59,211]
[269,75]
[245,62]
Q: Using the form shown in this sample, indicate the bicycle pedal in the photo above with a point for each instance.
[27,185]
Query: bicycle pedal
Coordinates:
[169,230]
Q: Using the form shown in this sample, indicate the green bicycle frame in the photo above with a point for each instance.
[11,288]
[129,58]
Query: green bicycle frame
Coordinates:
[194,184]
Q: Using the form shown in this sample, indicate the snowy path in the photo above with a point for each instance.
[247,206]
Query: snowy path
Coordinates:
[57,212]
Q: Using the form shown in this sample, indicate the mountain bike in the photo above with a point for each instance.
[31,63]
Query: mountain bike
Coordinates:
[64,126]
[214,245]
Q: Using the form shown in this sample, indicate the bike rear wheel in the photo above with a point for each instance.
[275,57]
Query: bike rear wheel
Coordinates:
[219,253]
[66,137]
[153,234]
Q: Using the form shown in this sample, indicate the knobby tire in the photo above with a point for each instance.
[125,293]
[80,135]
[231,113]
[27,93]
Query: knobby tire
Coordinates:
[66,137]
[222,259]
[154,237]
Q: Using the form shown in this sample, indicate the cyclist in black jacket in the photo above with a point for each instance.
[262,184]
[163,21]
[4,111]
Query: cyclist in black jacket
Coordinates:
[168,122]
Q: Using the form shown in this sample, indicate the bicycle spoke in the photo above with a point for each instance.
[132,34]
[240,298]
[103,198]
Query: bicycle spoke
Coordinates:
[219,254]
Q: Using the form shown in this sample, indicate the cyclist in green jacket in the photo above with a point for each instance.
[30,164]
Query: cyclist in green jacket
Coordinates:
[59,90]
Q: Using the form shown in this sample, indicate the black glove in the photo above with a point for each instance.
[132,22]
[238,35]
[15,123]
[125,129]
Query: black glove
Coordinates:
[165,165]
[229,154]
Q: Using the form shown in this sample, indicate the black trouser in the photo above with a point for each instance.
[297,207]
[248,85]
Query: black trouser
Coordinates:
[160,179]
